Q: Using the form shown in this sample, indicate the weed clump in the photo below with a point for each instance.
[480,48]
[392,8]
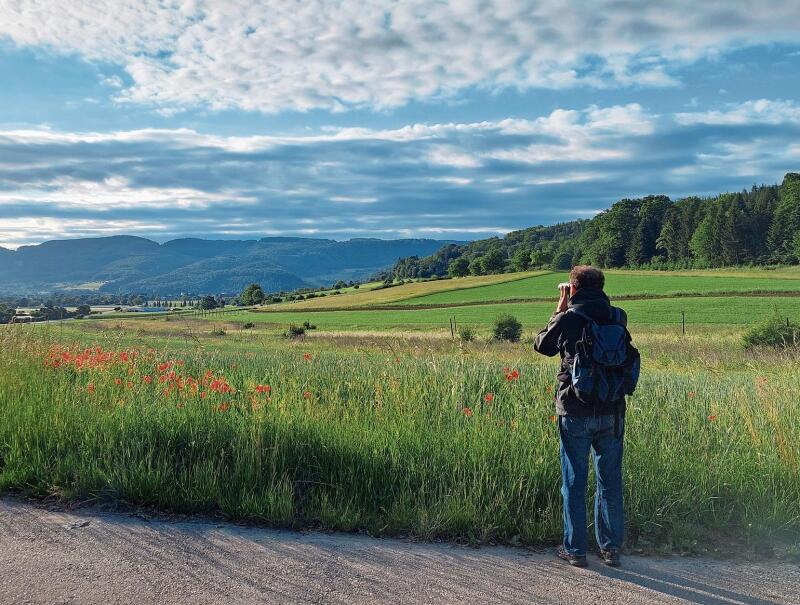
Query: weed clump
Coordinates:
[774,331]
[466,333]
[508,328]
[294,331]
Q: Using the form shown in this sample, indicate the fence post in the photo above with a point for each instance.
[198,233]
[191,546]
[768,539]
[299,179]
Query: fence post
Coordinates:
[683,323]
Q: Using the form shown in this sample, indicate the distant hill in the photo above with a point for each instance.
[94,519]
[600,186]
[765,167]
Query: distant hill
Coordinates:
[756,226]
[198,266]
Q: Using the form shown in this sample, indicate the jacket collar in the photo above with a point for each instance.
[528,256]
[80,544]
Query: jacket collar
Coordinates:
[591,301]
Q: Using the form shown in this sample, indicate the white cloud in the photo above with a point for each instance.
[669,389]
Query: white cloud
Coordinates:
[414,180]
[272,55]
[594,134]
[448,155]
[347,199]
[19,231]
[116,192]
[760,111]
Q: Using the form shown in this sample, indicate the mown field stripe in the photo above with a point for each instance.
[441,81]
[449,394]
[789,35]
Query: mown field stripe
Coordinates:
[478,303]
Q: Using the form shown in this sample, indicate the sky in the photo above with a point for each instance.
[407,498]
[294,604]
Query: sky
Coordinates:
[374,118]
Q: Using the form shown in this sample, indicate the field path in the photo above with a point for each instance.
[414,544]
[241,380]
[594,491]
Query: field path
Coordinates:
[90,556]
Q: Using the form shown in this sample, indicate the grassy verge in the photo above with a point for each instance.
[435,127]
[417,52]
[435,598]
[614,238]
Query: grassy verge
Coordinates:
[393,439]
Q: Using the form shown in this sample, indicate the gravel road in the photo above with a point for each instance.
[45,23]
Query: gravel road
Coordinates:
[91,556]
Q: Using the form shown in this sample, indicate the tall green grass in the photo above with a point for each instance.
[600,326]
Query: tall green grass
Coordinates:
[384,442]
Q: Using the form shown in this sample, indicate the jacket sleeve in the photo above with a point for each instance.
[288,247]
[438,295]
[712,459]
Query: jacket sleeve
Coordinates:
[548,341]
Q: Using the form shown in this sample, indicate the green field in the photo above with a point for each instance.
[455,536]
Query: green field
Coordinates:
[734,310]
[381,296]
[617,284]
[649,298]
[379,421]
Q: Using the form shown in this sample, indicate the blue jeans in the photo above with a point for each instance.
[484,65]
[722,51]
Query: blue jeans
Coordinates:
[580,436]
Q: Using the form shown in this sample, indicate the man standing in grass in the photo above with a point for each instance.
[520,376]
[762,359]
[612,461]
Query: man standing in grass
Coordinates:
[590,421]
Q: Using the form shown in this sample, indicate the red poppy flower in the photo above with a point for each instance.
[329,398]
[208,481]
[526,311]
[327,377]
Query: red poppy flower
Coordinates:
[307,394]
[129,385]
[90,387]
[468,412]
[489,397]
[118,381]
[690,395]
[712,417]
[307,356]
[263,388]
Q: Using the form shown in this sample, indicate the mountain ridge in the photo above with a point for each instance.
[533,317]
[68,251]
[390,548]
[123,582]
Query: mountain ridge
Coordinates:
[129,263]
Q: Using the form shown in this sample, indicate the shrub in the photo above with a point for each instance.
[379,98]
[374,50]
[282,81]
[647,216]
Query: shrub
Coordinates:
[307,325]
[466,333]
[507,327]
[209,302]
[252,295]
[248,325]
[295,331]
[218,332]
[773,331]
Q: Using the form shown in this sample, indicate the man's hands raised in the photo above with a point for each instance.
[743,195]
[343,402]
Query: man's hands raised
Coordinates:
[563,302]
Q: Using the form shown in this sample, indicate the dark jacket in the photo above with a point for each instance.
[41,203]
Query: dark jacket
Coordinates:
[560,336]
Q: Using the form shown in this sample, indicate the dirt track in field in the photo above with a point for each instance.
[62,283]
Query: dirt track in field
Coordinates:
[90,556]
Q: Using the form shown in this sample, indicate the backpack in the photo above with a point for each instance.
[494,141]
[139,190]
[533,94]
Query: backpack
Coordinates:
[606,365]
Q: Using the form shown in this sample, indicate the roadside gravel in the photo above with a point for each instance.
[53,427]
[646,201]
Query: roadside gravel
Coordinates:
[92,556]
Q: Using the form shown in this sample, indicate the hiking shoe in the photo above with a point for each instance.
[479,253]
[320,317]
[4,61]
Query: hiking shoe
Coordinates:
[610,557]
[574,560]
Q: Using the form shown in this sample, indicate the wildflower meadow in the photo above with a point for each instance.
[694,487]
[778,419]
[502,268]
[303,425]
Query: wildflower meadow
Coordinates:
[457,443]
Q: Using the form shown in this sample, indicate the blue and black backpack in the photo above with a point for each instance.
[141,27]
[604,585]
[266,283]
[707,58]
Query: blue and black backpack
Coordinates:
[606,365]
